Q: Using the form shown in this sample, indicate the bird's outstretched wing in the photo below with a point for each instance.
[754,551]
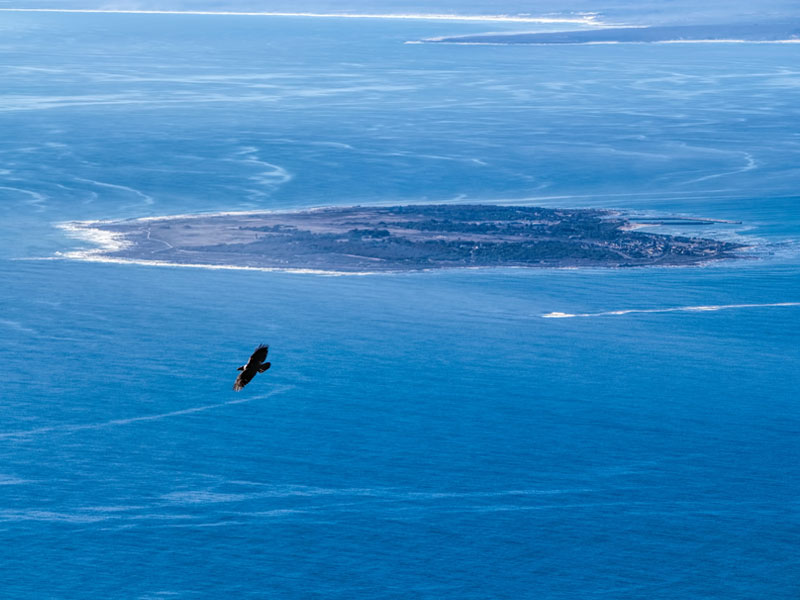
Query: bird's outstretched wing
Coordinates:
[260,355]
[243,379]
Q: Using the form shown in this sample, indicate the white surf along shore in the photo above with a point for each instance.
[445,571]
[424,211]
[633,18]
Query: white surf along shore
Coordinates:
[108,241]
[575,19]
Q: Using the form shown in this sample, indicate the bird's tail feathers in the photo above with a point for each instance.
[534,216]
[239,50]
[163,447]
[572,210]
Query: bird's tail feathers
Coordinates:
[264,367]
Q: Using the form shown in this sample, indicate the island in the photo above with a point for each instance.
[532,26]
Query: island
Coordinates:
[360,239]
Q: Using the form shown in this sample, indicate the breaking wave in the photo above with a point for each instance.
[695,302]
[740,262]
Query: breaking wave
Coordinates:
[605,42]
[699,308]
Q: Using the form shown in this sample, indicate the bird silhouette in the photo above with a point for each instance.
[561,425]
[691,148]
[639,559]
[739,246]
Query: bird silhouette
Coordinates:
[255,365]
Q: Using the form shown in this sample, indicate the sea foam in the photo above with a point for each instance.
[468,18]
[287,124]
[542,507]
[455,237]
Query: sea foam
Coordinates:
[581,19]
[700,308]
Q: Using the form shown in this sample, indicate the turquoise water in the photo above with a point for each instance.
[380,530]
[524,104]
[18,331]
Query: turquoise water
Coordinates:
[423,435]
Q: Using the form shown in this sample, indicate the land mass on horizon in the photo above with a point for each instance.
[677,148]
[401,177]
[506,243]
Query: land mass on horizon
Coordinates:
[398,238]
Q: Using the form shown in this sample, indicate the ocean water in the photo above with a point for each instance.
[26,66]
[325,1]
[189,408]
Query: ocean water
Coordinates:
[420,435]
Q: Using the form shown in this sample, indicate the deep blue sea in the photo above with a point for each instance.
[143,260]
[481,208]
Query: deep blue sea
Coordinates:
[424,435]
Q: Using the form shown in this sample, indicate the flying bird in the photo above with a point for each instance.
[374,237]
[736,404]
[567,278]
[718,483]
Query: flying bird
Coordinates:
[255,365]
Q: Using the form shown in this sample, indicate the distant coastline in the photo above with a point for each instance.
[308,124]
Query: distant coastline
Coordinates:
[392,239]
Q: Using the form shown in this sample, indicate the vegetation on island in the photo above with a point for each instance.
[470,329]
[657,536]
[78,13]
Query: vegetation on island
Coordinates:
[412,237]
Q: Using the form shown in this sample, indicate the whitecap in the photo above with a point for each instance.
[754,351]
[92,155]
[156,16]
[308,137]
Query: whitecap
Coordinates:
[695,308]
